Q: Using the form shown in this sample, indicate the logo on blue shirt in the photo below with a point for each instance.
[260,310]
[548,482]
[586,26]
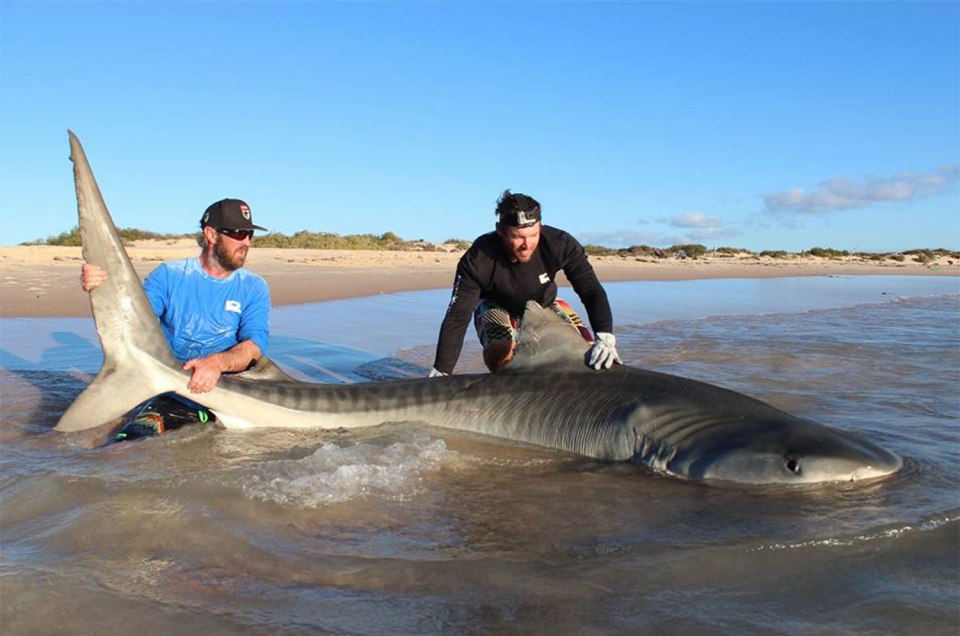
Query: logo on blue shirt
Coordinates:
[232,305]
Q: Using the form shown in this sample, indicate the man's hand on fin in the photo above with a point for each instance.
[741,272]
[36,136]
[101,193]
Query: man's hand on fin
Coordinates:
[92,276]
[436,374]
[603,353]
[206,373]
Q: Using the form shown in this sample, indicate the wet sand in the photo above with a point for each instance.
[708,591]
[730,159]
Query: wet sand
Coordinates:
[43,281]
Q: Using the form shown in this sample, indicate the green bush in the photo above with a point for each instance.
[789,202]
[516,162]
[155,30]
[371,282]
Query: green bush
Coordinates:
[730,251]
[934,252]
[691,251]
[305,239]
[460,244]
[127,236]
[69,239]
[827,252]
[329,241]
[599,250]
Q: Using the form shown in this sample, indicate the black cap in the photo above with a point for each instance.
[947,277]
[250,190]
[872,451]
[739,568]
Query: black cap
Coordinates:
[229,214]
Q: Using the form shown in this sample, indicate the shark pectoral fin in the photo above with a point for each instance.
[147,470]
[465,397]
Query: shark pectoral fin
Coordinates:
[111,395]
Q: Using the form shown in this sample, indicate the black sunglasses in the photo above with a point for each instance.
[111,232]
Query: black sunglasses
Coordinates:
[237,235]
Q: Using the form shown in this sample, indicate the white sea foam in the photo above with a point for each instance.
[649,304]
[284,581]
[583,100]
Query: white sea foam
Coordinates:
[335,473]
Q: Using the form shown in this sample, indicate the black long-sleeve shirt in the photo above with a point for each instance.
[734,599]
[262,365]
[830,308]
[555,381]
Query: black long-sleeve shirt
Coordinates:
[485,271]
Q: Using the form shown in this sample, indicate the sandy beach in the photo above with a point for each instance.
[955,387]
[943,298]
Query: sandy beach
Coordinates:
[43,281]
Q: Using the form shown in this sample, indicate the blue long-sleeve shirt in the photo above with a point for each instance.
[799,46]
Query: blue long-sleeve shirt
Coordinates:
[202,315]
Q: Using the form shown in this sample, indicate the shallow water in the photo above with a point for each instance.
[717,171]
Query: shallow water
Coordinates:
[400,529]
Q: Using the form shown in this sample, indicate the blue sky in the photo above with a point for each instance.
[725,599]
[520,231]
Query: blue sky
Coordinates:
[751,124]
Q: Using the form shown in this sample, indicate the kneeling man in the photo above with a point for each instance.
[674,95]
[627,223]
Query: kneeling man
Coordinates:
[504,269]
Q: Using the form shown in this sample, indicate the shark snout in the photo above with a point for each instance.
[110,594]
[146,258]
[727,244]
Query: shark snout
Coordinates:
[834,457]
[859,464]
[822,456]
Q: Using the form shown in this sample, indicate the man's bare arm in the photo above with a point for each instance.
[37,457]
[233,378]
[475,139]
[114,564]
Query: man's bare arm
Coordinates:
[207,371]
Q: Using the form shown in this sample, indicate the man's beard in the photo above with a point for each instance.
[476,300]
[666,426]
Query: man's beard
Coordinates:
[226,260]
[523,257]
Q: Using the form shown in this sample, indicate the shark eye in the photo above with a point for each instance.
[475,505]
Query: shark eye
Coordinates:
[793,465]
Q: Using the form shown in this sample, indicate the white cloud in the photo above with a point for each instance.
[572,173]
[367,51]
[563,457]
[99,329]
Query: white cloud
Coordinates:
[846,194]
[628,238]
[620,238]
[708,236]
[697,220]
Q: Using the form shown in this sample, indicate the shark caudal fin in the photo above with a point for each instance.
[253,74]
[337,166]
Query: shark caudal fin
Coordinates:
[134,347]
[547,341]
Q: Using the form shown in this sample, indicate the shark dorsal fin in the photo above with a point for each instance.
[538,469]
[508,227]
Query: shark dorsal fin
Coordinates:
[547,342]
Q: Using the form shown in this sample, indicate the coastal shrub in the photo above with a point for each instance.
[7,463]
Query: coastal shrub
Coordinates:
[934,252]
[637,251]
[127,235]
[599,250]
[271,239]
[827,252]
[644,251]
[305,239]
[130,234]
[689,251]
[774,253]
[68,239]
[730,251]
[633,251]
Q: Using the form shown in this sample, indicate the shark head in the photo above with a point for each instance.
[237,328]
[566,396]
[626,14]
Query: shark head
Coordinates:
[784,450]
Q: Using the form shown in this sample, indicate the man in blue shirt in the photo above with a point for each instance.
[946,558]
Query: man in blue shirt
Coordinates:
[214,313]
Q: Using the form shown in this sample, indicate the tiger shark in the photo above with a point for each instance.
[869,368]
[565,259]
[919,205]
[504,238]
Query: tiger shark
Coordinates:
[546,397]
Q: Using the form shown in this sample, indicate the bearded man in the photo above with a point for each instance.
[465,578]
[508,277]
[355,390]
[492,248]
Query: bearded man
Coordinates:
[214,313]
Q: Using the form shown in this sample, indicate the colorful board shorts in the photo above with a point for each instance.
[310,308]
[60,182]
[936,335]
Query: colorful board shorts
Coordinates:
[493,322]
[161,414]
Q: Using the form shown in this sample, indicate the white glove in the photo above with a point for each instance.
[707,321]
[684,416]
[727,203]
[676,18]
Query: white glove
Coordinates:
[603,353]
[435,374]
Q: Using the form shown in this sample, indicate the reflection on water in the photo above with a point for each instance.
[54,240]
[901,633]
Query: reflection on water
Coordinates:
[403,529]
